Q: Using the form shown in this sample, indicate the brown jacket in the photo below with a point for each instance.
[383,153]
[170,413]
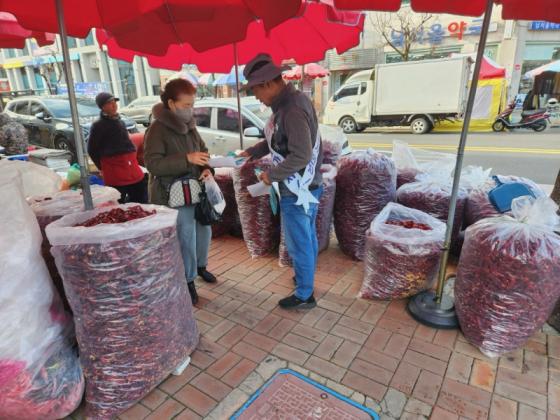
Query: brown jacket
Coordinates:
[166,145]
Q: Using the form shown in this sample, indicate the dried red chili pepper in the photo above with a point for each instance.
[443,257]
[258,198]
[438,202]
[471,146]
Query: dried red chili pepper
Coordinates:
[507,279]
[51,208]
[133,315]
[366,182]
[434,198]
[478,205]
[403,247]
[230,224]
[261,229]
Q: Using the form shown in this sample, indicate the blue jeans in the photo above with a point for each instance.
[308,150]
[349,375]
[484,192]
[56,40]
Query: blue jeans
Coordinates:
[195,241]
[301,240]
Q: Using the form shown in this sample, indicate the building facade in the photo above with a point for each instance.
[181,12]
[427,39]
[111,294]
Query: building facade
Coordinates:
[39,69]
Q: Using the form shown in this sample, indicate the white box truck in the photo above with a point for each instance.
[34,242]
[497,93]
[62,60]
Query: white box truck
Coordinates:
[414,93]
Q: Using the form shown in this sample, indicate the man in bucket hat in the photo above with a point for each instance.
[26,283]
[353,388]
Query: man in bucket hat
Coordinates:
[293,140]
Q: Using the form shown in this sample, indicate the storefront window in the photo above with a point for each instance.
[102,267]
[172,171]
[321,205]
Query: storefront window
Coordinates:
[127,81]
[72,43]
[24,78]
[11,53]
[90,40]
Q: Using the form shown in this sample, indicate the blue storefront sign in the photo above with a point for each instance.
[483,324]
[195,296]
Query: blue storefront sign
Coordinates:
[86,88]
[541,25]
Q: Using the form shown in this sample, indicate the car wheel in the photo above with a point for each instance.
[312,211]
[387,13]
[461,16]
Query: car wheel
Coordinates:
[62,144]
[539,126]
[348,125]
[498,126]
[420,125]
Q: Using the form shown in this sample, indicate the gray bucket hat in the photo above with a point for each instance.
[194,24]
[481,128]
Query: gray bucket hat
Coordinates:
[261,69]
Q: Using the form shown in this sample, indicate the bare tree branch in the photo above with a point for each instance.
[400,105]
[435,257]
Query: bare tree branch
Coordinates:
[406,24]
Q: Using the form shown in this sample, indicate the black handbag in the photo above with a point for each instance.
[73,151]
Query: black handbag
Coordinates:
[204,212]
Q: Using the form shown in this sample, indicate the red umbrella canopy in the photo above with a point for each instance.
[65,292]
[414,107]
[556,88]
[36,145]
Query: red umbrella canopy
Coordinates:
[155,23]
[312,70]
[548,10]
[13,35]
[304,38]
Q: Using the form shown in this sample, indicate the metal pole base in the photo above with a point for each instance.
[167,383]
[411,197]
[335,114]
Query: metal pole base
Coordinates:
[424,309]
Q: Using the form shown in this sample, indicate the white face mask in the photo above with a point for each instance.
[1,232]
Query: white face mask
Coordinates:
[184,114]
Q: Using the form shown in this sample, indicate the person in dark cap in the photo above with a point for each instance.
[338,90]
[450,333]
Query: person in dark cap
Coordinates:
[114,154]
[293,140]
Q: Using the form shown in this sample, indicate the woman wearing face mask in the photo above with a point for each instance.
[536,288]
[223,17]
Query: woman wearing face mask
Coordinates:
[173,149]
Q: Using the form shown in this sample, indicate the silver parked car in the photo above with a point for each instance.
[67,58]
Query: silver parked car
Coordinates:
[140,109]
[218,122]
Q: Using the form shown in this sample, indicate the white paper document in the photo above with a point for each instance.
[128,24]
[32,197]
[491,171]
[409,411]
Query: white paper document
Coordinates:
[258,189]
[226,161]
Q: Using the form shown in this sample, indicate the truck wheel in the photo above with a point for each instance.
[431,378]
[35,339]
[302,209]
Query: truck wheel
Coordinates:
[420,125]
[498,126]
[348,125]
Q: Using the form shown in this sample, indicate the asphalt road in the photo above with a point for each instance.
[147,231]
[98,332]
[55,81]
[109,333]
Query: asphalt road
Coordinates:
[523,153]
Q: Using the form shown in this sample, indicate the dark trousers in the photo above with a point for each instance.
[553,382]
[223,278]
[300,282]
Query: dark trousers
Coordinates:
[134,193]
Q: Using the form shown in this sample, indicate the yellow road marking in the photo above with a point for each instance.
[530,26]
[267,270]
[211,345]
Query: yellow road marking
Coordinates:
[468,148]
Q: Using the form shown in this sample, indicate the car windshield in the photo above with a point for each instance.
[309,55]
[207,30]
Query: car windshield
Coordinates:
[261,111]
[60,108]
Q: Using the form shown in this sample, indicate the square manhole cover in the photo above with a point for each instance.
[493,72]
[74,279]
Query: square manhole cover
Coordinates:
[289,395]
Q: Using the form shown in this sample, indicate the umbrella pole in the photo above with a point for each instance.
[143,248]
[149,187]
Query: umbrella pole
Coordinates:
[237,93]
[435,309]
[78,138]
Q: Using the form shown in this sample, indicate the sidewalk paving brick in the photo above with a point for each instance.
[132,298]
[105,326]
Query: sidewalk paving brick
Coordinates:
[371,351]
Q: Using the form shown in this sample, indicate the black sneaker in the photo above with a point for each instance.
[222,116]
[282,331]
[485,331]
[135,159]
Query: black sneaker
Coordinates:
[206,275]
[293,302]
[192,292]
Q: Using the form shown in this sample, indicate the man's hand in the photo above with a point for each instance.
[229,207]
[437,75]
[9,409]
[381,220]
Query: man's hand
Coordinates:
[265,178]
[198,158]
[206,174]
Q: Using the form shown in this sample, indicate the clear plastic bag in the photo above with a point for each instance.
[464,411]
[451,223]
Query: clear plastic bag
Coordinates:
[133,315]
[411,162]
[40,374]
[478,205]
[48,208]
[366,183]
[432,194]
[230,223]
[261,229]
[214,194]
[507,280]
[401,262]
[36,179]
[335,144]
[324,216]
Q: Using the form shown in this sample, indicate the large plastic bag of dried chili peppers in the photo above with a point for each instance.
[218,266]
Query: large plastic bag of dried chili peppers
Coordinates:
[366,183]
[403,247]
[40,374]
[230,223]
[335,144]
[324,216]
[125,281]
[508,276]
[48,208]
[431,193]
[412,162]
[478,205]
[261,229]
